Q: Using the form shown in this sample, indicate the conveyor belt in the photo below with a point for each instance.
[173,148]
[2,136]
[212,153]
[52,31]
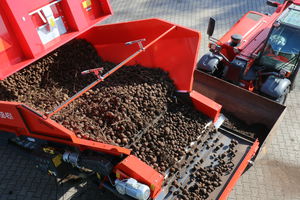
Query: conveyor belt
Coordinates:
[205,158]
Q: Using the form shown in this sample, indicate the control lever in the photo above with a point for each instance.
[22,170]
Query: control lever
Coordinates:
[96,71]
[139,43]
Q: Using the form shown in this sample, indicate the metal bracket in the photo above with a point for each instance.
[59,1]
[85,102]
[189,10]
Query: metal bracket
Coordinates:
[47,16]
[139,43]
[96,71]
[220,121]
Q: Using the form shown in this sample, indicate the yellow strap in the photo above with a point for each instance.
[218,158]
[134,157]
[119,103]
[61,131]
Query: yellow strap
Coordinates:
[52,22]
[86,4]
[57,160]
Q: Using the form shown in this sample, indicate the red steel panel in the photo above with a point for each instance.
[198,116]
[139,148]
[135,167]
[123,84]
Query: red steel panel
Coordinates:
[175,53]
[21,120]
[204,104]
[21,28]
[137,169]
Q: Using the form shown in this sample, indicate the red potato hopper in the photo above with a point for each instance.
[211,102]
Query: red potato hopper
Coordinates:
[167,46]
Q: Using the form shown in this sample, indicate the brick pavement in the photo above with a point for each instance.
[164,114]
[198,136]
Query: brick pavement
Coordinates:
[276,176]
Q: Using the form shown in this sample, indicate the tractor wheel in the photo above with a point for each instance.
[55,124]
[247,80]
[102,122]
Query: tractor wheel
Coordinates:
[282,99]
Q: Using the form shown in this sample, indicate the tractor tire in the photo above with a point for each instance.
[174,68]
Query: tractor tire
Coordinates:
[282,99]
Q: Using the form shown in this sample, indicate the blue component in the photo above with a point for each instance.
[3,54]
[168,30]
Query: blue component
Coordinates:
[275,87]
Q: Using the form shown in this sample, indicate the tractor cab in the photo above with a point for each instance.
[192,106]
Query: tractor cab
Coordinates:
[260,53]
[281,52]
[278,63]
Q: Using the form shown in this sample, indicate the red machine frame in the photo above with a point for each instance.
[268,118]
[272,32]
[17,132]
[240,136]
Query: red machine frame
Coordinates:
[160,38]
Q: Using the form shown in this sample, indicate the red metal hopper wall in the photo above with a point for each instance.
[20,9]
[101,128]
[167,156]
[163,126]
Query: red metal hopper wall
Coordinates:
[176,52]
[20,43]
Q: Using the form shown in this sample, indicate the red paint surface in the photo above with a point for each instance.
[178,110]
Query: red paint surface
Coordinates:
[26,46]
[26,122]
[175,53]
[207,106]
[137,169]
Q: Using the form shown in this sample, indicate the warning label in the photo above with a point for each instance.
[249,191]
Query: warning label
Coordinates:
[6,115]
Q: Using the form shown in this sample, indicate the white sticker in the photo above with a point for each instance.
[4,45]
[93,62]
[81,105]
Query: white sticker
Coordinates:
[6,115]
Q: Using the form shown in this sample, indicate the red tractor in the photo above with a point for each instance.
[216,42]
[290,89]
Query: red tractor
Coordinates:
[260,52]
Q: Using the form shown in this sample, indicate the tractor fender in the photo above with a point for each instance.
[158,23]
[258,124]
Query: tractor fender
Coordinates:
[275,86]
[209,62]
